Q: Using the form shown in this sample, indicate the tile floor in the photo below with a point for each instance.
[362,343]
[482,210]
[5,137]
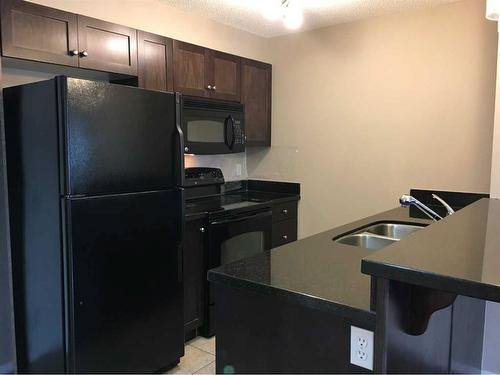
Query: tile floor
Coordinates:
[199,357]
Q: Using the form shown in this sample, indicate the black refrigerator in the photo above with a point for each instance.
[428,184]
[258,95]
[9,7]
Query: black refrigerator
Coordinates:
[96,214]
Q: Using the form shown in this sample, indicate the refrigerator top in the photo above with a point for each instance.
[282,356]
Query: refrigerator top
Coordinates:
[118,139]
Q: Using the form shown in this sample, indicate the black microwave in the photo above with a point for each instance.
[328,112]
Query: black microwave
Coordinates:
[212,126]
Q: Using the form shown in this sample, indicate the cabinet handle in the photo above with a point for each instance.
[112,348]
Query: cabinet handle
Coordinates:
[84,54]
[215,88]
[202,230]
[285,211]
[74,52]
[209,87]
[285,237]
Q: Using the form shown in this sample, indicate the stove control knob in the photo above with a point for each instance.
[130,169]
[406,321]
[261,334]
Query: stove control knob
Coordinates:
[186,149]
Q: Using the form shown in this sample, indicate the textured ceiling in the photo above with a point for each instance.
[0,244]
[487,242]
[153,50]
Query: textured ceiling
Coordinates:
[246,14]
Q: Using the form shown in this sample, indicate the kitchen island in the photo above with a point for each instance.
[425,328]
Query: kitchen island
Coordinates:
[291,309]
[451,269]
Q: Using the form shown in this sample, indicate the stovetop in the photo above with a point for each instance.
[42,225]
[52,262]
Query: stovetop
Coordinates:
[226,202]
[204,194]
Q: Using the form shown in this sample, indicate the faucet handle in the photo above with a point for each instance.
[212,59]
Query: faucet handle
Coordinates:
[446,205]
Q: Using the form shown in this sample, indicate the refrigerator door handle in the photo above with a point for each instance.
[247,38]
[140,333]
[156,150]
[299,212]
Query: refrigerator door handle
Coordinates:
[180,139]
[180,262]
[180,244]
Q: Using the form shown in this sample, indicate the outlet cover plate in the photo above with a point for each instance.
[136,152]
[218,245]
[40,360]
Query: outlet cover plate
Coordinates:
[362,347]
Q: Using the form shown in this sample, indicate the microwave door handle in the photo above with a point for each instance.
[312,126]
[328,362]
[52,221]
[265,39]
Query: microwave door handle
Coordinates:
[229,124]
[232,130]
[249,217]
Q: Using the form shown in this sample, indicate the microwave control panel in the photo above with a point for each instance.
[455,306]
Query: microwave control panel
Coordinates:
[239,135]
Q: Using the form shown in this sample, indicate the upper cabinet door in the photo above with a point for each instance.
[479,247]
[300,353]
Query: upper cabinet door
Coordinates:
[191,69]
[256,84]
[107,46]
[226,76]
[35,32]
[155,62]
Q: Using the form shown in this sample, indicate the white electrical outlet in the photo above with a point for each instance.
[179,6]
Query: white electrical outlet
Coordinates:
[362,347]
[238,169]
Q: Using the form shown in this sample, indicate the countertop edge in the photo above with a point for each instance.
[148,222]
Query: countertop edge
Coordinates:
[360,316]
[431,280]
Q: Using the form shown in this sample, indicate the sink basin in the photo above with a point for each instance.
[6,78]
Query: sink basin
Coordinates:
[379,235]
[366,240]
[393,230]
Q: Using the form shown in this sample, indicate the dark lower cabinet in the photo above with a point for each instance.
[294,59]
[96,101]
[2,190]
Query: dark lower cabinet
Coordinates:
[422,330]
[7,342]
[194,275]
[256,82]
[284,232]
[35,32]
[155,62]
[267,334]
[284,223]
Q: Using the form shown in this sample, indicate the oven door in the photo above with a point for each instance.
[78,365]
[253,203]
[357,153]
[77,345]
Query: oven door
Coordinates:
[209,132]
[230,239]
[239,236]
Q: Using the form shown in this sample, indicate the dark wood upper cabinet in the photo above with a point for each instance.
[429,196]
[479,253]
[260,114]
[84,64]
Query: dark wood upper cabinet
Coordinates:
[191,66]
[256,82]
[204,72]
[225,76]
[155,62]
[107,46]
[35,32]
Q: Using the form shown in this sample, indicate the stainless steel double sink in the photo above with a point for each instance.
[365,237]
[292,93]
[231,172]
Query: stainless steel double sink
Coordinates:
[378,235]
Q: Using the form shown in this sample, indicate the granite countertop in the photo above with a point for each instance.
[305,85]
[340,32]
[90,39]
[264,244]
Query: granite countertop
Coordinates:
[314,271]
[459,254]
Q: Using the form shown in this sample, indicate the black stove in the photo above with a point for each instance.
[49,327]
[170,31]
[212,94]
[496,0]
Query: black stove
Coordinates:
[204,193]
[239,225]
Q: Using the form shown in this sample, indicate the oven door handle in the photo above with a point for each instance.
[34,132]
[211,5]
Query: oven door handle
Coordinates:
[249,217]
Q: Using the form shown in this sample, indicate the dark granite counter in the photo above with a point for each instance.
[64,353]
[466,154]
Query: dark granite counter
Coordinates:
[459,254]
[314,271]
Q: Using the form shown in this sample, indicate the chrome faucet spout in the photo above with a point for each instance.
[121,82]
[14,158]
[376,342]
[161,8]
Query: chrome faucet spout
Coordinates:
[408,200]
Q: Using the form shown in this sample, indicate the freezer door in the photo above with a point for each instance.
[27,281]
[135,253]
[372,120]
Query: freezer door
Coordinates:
[125,282]
[119,138]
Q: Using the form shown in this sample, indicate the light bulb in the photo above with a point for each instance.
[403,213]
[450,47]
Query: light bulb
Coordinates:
[292,15]
[271,9]
[493,10]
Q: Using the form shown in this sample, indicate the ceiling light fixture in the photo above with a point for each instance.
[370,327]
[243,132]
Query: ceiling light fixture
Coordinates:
[493,10]
[288,10]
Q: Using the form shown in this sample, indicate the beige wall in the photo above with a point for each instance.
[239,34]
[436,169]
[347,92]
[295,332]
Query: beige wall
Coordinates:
[495,163]
[364,111]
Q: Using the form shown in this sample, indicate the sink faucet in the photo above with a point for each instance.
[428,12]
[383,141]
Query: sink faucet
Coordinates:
[408,200]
